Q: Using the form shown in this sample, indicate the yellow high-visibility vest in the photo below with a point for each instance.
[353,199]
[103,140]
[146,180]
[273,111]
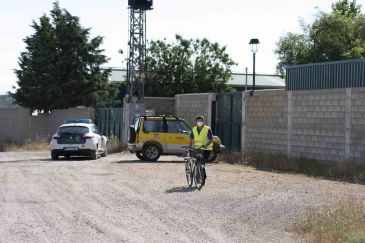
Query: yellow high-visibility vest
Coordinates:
[201,138]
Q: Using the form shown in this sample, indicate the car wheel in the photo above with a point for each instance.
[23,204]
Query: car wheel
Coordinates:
[151,152]
[54,156]
[94,154]
[139,155]
[213,156]
[104,154]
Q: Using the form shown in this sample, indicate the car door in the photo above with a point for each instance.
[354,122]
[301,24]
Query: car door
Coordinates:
[154,129]
[178,136]
[97,134]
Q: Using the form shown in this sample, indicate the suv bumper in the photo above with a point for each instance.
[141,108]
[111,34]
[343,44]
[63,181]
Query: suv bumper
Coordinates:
[222,148]
[134,147]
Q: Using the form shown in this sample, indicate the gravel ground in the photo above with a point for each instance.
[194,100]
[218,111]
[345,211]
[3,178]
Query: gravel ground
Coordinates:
[121,199]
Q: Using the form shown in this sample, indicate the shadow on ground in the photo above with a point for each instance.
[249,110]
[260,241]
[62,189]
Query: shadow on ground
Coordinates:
[181,189]
[147,162]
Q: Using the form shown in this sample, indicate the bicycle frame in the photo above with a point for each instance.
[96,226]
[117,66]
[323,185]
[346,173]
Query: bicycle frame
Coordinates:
[192,161]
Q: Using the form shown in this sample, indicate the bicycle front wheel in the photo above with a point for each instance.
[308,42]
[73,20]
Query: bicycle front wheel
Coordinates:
[189,173]
[198,176]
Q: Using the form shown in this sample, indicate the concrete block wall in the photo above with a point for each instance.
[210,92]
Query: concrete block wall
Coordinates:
[18,125]
[318,124]
[15,125]
[188,106]
[265,123]
[357,128]
[45,124]
[161,105]
[315,124]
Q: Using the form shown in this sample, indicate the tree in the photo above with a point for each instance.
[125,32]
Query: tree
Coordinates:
[186,66]
[61,65]
[332,36]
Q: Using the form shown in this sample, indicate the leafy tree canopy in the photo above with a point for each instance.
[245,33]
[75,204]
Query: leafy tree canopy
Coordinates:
[186,66]
[61,66]
[337,35]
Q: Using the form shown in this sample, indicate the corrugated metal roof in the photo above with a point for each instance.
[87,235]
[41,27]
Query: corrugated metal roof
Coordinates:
[326,75]
[237,79]
[118,75]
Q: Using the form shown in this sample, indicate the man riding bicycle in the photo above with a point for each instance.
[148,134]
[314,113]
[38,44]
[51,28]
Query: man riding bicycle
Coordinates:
[202,137]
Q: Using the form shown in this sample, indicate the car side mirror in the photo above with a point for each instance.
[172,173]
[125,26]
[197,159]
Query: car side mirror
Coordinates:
[185,132]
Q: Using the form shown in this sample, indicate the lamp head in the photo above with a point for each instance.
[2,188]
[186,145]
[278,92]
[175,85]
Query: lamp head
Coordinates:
[254,44]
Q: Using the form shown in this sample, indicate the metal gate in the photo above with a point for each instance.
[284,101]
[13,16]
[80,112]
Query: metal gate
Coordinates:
[228,119]
[109,121]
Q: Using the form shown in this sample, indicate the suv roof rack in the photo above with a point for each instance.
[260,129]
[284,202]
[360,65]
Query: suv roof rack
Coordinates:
[162,116]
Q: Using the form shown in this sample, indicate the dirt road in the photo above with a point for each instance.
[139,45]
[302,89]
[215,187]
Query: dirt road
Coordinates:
[120,199]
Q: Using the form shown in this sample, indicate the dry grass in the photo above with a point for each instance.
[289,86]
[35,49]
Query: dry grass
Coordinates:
[346,171]
[340,222]
[114,145]
[39,145]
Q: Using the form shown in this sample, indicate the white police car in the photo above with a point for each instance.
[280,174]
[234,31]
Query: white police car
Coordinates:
[78,138]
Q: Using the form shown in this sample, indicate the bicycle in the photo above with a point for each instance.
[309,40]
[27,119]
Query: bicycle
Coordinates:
[193,169]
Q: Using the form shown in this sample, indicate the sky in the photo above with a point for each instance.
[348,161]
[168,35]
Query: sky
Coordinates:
[231,23]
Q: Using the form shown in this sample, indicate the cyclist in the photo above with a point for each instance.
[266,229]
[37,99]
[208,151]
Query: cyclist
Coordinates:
[202,137]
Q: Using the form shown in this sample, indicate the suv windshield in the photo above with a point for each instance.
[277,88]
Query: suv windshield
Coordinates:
[73,130]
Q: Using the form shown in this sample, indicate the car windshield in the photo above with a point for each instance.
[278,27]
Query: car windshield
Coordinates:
[73,130]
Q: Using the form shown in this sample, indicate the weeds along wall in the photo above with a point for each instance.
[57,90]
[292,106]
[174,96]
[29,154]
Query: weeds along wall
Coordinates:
[317,124]
[18,125]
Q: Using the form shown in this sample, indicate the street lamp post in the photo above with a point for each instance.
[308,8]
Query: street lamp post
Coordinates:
[254,47]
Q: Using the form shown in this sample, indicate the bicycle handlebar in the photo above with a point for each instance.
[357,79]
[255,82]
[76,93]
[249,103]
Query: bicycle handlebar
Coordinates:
[190,148]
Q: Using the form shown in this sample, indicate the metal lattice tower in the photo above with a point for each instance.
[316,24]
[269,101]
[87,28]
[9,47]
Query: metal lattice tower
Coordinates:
[136,67]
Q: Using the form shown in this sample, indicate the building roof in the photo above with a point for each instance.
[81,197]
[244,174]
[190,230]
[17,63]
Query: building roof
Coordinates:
[118,75]
[7,101]
[237,79]
[261,80]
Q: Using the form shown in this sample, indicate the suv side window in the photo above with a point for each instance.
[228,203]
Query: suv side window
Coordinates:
[95,130]
[153,126]
[177,127]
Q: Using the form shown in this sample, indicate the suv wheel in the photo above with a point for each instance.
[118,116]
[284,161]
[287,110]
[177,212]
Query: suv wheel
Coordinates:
[104,153]
[213,156]
[139,155]
[94,154]
[54,156]
[151,152]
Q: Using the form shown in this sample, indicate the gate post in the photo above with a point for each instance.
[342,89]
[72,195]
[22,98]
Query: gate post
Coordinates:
[211,98]
[243,123]
[348,124]
[290,122]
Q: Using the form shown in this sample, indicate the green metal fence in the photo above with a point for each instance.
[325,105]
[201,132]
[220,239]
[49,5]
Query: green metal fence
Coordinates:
[228,119]
[109,121]
[327,75]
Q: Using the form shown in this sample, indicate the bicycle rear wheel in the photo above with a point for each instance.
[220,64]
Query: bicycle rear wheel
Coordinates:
[189,173]
[198,176]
